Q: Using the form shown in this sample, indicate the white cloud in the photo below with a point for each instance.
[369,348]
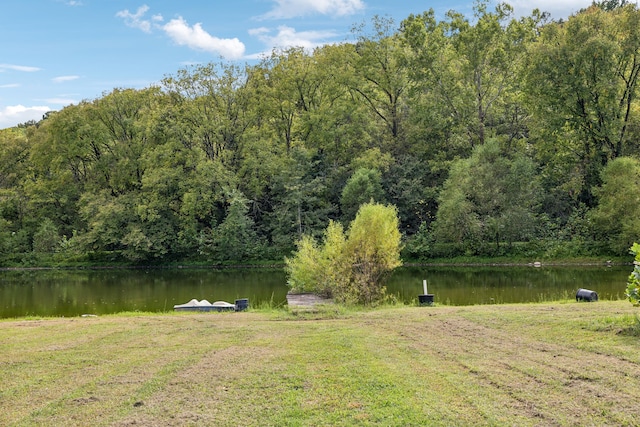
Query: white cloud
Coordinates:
[196,37]
[70,2]
[61,101]
[257,32]
[10,85]
[135,20]
[62,79]
[285,9]
[289,37]
[557,9]
[15,114]
[27,69]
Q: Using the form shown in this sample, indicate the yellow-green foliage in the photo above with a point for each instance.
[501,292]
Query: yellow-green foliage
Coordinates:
[633,283]
[352,268]
[304,267]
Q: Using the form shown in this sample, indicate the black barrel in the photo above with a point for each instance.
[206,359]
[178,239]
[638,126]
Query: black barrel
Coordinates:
[586,295]
[425,299]
[242,304]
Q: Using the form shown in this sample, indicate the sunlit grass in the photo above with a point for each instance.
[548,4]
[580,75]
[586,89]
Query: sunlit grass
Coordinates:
[392,365]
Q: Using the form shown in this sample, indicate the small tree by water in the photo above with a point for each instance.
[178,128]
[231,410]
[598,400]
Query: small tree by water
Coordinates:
[633,283]
[46,238]
[349,268]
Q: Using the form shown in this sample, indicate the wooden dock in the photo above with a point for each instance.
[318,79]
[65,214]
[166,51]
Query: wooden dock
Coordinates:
[306,301]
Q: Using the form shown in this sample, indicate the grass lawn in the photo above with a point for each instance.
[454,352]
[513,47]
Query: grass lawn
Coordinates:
[572,364]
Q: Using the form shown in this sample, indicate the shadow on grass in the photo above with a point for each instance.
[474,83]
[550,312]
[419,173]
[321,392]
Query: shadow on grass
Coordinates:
[632,330]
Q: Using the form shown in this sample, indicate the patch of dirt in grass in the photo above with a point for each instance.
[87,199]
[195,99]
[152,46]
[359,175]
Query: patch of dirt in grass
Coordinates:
[85,400]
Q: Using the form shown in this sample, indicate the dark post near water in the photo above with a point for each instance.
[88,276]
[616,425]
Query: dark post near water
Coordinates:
[242,304]
[425,298]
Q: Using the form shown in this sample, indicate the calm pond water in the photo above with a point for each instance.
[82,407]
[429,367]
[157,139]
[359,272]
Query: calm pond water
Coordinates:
[102,291]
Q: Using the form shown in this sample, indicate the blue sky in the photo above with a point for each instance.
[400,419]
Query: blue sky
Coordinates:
[59,52]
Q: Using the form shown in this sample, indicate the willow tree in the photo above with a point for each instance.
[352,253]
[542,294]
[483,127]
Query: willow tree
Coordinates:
[350,268]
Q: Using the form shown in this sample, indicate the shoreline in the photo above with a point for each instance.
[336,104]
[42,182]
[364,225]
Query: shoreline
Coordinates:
[276,265]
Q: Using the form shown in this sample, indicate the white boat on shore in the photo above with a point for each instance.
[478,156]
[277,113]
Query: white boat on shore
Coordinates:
[204,305]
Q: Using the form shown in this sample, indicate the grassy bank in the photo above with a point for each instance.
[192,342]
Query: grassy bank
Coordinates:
[534,364]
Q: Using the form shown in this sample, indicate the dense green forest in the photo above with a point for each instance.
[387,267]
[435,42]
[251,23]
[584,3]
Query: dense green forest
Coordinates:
[491,135]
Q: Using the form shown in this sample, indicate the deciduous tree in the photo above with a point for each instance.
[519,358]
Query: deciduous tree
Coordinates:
[614,218]
[490,197]
[582,85]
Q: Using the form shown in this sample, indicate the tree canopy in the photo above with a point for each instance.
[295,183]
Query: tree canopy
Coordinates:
[489,134]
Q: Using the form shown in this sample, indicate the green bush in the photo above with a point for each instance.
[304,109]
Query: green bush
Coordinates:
[349,268]
[633,283]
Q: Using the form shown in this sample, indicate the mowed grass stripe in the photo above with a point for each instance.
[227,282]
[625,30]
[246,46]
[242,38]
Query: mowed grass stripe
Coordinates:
[464,358]
[104,373]
[540,364]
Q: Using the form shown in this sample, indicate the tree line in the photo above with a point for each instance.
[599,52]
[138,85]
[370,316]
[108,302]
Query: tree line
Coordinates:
[491,135]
